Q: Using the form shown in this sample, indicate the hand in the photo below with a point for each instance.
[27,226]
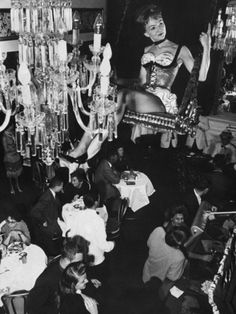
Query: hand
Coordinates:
[45,224]
[96,283]
[205,38]
[208,257]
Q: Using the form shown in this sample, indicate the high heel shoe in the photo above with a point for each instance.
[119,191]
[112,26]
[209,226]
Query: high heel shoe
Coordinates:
[79,160]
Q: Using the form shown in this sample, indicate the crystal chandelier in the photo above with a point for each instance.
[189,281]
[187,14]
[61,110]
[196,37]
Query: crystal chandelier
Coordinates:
[48,75]
[225,33]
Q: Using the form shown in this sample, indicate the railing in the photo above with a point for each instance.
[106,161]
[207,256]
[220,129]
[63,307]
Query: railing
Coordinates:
[222,289]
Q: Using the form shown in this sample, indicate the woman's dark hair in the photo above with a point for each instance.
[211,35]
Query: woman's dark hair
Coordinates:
[179,209]
[176,236]
[70,277]
[147,12]
[74,245]
[79,174]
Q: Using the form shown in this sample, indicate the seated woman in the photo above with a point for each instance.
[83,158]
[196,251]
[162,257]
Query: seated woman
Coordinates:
[165,258]
[15,229]
[71,288]
[159,67]
[76,188]
[175,217]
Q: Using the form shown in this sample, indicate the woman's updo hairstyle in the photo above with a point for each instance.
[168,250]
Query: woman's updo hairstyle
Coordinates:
[147,12]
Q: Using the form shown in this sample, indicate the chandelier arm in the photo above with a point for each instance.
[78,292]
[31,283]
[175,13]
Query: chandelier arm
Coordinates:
[92,78]
[80,102]
[6,120]
[78,117]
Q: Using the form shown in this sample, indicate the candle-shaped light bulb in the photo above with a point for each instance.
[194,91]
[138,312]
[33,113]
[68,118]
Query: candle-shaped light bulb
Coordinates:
[62,47]
[61,27]
[24,75]
[76,28]
[98,28]
[105,69]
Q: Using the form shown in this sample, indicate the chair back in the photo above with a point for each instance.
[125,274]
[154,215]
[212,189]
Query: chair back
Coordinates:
[122,210]
[15,302]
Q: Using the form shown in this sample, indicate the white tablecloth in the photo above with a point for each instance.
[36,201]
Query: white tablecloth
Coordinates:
[70,214]
[137,194]
[14,275]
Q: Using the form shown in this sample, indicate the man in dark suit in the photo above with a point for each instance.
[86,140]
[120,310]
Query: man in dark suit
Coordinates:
[105,178]
[44,218]
[194,197]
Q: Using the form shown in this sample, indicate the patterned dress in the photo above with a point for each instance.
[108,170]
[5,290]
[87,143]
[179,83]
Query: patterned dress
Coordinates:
[12,159]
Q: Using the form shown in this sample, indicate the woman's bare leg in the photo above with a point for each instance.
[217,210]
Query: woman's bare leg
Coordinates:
[139,101]
[11,186]
[82,146]
[17,185]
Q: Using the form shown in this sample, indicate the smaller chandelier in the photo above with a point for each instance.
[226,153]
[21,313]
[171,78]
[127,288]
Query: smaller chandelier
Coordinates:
[224,34]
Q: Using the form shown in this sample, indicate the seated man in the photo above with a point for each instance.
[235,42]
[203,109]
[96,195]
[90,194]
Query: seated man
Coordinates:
[91,202]
[76,188]
[43,296]
[44,218]
[225,147]
[106,177]
[92,228]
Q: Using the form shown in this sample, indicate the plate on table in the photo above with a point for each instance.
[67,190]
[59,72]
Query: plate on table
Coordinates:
[15,247]
[129,176]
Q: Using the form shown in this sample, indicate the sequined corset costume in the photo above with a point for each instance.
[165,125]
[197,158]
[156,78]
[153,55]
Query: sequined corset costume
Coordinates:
[159,74]
[160,78]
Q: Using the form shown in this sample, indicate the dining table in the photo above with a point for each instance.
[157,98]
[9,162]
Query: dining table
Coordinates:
[136,187]
[20,267]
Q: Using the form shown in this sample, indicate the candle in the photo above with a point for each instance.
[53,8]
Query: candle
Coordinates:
[98,28]
[76,28]
[105,69]
[62,50]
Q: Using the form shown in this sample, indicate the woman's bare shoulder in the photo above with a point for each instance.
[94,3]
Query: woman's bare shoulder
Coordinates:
[148,49]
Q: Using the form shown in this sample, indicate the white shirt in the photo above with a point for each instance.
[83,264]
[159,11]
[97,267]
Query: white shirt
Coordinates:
[90,226]
[53,193]
[197,196]
[163,260]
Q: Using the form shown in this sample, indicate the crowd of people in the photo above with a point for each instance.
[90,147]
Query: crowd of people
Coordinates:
[74,279]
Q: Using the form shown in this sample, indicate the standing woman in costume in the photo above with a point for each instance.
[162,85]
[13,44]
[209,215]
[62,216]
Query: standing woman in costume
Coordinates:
[159,67]
[12,159]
